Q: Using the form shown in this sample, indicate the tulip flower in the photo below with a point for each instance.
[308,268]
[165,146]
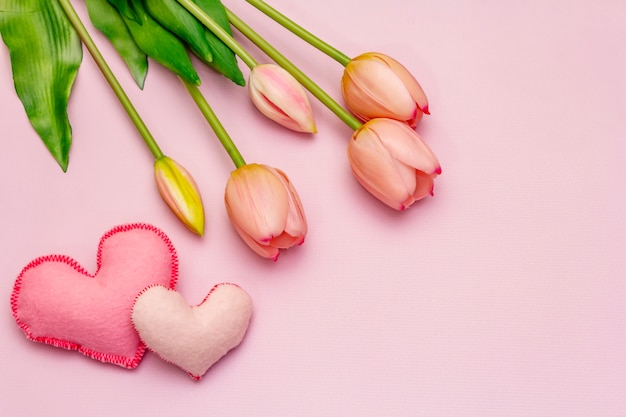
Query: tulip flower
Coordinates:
[262,204]
[376,85]
[392,162]
[265,209]
[387,157]
[373,84]
[281,98]
[274,91]
[180,192]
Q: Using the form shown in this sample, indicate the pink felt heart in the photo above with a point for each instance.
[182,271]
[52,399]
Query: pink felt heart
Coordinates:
[57,302]
[192,338]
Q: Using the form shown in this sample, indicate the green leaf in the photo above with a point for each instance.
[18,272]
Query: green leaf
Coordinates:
[45,56]
[175,18]
[126,8]
[160,44]
[224,60]
[109,21]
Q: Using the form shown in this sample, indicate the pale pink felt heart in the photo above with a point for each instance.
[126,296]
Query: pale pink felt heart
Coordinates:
[57,302]
[192,338]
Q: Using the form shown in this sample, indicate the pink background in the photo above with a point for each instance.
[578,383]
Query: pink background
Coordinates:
[504,295]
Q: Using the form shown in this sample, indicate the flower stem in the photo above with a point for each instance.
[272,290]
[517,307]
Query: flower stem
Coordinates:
[302,78]
[216,125]
[108,74]
[299,31]
[218,31]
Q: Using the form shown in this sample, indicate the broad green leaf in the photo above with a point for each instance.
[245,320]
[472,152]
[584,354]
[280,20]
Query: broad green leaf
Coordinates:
[108,20]
[45,56]
[175,18]
[126,8]
[224,60]
[160,44]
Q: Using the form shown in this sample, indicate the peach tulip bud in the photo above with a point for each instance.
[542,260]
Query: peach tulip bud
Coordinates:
[180,192]
[376,85]
[265,209]
[281,98]
[392,162]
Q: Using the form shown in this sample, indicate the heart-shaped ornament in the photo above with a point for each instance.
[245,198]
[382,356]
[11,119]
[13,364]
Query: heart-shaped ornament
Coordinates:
[57,302]
[192,338]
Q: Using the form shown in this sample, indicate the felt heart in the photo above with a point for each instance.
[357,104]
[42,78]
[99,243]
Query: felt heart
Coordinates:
[57,302]
[192,338]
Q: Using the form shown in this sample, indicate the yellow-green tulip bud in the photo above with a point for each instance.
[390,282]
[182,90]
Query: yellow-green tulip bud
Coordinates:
[180,192]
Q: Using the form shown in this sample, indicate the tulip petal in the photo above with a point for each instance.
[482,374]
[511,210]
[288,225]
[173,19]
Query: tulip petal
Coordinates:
[281,98]
[377,172]
[285,241]
[405,145]
[272,111]
[425,185]
[266,251]
[378,94]
[414,87]
[296,224]
[257,201]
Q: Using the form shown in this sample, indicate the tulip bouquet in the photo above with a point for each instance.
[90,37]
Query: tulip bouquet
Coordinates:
[383,102]
[387,157]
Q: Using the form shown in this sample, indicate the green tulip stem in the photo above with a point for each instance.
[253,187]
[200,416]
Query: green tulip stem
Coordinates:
[215,123]
[301,77]
[113,82]
[218,31]
[299,31]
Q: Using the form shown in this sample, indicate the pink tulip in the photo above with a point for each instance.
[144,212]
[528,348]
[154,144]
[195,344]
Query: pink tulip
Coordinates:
[265,209]
[281,98]
[392,162]
[376,85]
[180,192]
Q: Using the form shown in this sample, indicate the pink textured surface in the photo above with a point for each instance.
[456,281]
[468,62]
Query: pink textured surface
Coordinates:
[504,295]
